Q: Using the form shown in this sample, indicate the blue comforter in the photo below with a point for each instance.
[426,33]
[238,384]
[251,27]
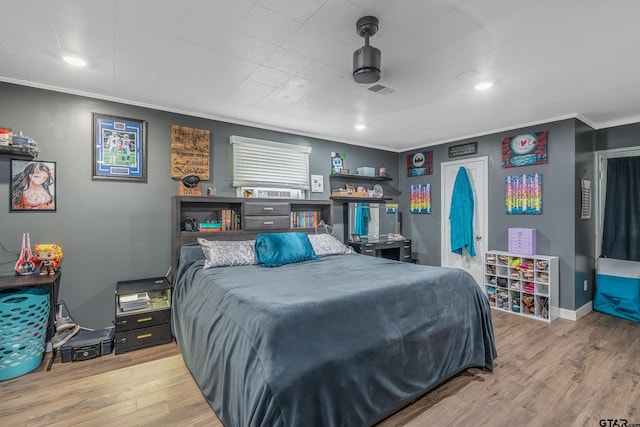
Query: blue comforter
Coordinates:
[340,341]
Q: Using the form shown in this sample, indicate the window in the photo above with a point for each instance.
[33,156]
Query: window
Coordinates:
[259,163]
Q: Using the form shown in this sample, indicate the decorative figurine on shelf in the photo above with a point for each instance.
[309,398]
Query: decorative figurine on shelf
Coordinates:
[26,263]
[48,257]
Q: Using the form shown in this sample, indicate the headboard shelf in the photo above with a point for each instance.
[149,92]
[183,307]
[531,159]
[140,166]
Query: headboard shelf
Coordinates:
[241,218]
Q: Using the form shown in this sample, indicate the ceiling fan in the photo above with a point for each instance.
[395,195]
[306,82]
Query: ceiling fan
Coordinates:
[366,60]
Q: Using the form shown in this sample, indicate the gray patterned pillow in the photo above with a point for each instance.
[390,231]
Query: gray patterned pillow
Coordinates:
[220,253]
[326,244]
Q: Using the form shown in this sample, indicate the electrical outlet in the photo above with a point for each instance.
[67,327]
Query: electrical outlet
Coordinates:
[586,284]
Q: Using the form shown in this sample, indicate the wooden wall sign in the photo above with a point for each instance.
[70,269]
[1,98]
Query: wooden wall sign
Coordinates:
[189,191]
[190,152]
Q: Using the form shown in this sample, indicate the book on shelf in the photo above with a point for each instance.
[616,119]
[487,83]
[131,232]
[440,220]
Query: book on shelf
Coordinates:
[223,220]
[135,301]
[305,219]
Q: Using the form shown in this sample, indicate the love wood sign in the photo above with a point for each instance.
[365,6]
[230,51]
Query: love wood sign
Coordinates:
[524,150]
[190,152]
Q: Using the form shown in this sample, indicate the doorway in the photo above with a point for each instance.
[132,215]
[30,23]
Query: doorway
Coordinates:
[601,159]
[478,173]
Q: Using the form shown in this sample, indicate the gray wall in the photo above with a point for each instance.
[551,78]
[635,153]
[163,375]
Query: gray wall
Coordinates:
[618,137]
[555,227]
[585,229]
[112,231]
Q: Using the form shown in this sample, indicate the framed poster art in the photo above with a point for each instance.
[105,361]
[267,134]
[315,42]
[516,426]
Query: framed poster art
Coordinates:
[420,198]
[524,150]
[338,163]
[33,186]
[524,194]
[119,148]
[419,164]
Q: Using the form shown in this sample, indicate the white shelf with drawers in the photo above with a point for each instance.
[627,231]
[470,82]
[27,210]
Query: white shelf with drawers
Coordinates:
[525,285]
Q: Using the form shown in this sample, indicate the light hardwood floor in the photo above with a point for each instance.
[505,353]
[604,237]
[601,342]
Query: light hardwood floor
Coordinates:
[563,374]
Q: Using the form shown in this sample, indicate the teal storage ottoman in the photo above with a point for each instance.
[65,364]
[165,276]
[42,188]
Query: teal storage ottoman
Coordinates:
[24,317]
[618,288]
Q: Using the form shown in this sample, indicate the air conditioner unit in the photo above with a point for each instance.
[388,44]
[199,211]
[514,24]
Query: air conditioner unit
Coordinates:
[270,193]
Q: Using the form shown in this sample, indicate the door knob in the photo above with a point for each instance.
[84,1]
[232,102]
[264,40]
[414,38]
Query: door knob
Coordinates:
[478,237]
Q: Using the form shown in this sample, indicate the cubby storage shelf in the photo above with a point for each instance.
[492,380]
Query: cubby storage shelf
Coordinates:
[525,285]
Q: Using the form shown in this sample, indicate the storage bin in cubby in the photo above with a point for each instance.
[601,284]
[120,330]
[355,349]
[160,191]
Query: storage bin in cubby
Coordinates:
[491,294]
[542,307]
[541,289]
[528,309]
[502,298]
[514,301]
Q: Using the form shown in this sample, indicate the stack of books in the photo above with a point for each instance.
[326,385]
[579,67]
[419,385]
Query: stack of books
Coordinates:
[210,226]
[135,301]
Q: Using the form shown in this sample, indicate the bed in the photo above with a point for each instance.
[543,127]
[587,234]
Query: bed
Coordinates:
[340,340]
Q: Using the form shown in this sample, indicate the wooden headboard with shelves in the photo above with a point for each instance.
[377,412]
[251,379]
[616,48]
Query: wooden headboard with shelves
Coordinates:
[242,218]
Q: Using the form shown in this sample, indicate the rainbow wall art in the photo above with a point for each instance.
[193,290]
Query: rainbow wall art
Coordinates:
[524,194]
[421,198]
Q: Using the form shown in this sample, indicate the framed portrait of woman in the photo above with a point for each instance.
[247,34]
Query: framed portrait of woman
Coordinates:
[33,186]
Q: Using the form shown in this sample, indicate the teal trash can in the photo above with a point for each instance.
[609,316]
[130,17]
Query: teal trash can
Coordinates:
[24,317]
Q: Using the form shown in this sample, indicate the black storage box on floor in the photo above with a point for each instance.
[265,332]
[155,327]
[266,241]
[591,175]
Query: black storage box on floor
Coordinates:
[88,344]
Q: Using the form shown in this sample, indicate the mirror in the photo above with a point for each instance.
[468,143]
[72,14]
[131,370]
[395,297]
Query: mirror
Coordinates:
[372,222]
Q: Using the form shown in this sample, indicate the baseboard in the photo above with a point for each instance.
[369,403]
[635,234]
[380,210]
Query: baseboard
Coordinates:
[563,313]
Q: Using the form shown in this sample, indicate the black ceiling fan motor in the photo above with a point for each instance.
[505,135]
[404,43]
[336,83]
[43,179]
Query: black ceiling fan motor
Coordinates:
[366,60]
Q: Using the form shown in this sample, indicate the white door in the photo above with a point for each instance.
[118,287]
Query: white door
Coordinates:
[477,171]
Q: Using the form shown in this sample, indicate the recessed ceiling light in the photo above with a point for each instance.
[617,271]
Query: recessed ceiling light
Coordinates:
[78,62]
[484,86]
[361,126]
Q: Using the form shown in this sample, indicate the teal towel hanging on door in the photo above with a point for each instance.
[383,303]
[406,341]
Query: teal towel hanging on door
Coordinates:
[362,219]
[461,215]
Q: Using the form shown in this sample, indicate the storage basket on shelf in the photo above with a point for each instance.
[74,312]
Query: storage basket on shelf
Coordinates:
[24,317]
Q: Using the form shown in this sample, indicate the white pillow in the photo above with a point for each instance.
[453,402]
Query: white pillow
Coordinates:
[325,244]
[221,253]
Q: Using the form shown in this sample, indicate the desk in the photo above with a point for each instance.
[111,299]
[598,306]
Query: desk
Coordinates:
[399,250]
[46,281]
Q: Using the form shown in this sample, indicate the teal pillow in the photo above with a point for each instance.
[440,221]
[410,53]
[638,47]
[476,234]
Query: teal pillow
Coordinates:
[276,249]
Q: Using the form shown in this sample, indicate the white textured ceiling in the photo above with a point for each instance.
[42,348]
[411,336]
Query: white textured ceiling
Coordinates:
[286,64]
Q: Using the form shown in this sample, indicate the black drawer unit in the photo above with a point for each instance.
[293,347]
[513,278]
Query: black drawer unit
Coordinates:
[267,208]
[146,321]
[267,215]
[261,223]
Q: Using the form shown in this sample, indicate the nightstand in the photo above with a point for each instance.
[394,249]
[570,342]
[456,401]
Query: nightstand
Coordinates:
[148,325]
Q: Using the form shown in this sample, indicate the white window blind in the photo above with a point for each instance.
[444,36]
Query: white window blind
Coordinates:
[266,163]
